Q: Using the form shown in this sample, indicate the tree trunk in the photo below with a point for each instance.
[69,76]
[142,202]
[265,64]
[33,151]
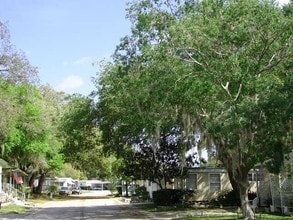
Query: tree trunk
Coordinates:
[239,180]
[32,179]
[232,180]
[234,162]
[165,183]
[245,207]
[126,188]
[41,182]
[160,184]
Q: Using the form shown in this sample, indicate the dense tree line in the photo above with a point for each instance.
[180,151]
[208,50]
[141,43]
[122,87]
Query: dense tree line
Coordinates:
[41,129]
[29,115]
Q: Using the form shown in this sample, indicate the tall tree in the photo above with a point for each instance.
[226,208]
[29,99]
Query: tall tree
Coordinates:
[236,49]
[221,68]
[31,143]
[15,69]
[28,115]
[52,161]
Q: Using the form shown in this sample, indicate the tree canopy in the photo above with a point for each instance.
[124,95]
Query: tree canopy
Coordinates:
[29,115]
[81,136]
[219,68]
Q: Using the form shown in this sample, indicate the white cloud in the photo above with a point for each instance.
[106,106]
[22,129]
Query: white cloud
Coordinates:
[69,83]
[84,60]
[87,60]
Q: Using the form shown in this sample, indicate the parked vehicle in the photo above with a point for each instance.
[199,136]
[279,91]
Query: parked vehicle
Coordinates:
[64,190]
[76,190]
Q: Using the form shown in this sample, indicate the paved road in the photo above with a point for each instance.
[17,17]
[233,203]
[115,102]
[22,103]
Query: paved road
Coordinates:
[95,205]
[79,209]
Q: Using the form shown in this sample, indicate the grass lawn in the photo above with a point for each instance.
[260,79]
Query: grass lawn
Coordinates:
[154,208]
[212,218]
[273,216]
[259,216]
[12,208]
[39,199]
[34,199]
[232,216]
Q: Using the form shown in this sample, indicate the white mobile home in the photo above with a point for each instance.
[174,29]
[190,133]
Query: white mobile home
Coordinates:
[94,185]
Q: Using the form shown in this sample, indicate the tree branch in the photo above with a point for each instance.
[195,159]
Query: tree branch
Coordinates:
[238,93]
[182,78]
[226,88]
[193,60]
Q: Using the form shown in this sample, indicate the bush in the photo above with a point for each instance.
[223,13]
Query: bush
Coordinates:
[119,190]
[142,193]
[169,197]
[227,198]
[230,198]
[53,189]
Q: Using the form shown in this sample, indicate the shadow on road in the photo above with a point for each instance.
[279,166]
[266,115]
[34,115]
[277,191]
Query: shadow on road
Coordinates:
[82,208]
[78,213]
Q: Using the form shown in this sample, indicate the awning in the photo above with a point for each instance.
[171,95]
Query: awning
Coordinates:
[17,177]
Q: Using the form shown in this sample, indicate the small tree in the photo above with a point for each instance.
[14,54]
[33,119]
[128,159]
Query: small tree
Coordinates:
[161,163]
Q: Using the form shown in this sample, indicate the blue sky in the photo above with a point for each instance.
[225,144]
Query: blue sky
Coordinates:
[64,37]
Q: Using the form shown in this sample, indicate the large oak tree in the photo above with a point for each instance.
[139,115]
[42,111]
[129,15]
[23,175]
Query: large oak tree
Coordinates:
[221,68]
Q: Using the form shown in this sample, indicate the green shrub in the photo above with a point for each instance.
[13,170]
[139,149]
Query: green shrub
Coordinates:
[227,198]
[53,189]
[24,188]
[142,193]
[230,198]
[169,197]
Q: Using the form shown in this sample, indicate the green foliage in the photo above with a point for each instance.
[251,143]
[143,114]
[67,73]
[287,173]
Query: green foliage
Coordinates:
[68,171]
[56,161]
[227,198]
[9,110]
[82,138]
[15,209]
[30,133]
[219,68]
[230,198]
[53,189]
[169,197]
[142,193]
[28,115]
[24,188]
[159,164]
